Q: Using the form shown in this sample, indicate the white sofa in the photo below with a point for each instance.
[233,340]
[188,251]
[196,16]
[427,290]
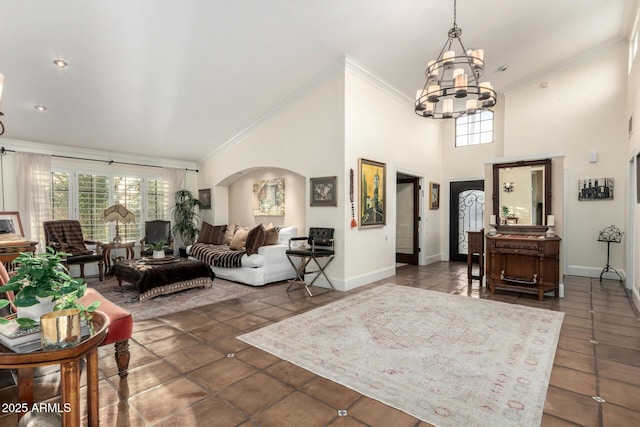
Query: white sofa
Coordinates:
[269,265]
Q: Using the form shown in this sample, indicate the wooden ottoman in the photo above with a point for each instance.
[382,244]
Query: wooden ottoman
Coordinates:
[162,277]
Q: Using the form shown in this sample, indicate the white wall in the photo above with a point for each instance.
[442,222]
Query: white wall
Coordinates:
[381,126]
[581,111]
[304,136]
[467,164]
[633,237]
[344,115]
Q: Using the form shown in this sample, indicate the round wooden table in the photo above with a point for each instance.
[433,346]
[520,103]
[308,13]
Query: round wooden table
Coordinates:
[68,359]
[107,247]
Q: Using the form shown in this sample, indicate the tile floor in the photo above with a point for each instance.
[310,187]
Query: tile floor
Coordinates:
[188,369]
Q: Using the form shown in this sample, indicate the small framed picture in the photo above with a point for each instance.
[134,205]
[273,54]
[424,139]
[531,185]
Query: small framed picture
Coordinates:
[434,195]
[324,191]
[10,223]
[204,195]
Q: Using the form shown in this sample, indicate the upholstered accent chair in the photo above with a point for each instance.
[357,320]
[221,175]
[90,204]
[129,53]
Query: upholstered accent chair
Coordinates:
[156,231]
[66,236]
[319,247]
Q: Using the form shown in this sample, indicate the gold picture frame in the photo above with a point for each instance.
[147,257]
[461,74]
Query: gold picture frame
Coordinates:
[372,184]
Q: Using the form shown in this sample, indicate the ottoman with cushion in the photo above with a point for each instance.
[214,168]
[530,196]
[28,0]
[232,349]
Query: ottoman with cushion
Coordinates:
[165,276]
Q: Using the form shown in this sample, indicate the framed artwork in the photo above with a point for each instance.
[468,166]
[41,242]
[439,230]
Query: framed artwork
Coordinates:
[10,223]
[324,191]
[372,185]
[204,195]
[595,189]
[434,195]
[268,197]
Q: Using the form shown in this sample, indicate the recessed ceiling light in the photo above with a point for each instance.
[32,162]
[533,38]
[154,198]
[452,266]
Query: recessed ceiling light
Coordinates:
[40,108]
[60,63]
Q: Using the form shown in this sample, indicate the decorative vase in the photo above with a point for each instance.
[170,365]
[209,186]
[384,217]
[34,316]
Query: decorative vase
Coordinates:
[60,329]
[34,312]
[158,254]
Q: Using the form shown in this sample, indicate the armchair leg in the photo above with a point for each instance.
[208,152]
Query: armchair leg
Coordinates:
[81,270]
[122,358]
[101,270]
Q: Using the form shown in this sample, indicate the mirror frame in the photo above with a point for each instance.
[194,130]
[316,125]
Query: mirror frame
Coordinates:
[547,194]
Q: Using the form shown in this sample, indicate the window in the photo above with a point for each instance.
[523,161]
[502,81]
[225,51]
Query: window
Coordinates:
[474,129]
[85,195]
[60,204]
[93,199]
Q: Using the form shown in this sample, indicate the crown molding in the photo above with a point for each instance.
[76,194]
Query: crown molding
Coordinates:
[376,80]
[91,155]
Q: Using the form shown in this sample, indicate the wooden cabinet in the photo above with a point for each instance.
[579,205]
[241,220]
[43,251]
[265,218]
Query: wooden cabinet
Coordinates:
[523,263]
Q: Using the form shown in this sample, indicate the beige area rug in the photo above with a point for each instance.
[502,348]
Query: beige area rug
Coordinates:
[126,296]
[445,359]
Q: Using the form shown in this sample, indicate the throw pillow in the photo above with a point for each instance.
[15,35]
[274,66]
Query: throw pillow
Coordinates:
[239,240]
[271,235]
[228,234]
[255,239]
[211,234]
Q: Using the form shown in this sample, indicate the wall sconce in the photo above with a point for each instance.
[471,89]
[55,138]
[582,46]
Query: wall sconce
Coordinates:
[508,186]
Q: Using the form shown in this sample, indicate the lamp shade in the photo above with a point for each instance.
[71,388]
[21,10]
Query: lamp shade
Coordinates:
[119,213]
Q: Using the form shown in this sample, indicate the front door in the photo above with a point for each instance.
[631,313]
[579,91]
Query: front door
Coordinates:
[466,214]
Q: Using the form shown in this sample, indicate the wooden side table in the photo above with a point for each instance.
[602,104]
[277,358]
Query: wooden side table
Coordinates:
[475,241]
[107,247]
[68,359]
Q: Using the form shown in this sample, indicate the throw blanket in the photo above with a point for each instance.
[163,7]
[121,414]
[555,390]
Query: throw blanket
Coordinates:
[217,255]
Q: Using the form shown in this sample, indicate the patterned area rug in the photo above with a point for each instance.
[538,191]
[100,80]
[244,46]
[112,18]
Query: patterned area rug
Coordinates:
[445,359]
[126,296]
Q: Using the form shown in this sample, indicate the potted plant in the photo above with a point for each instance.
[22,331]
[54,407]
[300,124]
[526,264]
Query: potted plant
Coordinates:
[158,248]
[185,216]
[42,284]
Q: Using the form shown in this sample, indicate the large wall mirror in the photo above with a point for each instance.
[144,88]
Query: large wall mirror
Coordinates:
[522,194]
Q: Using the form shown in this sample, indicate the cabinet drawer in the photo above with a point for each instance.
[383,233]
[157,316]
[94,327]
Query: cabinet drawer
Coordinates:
[517,244]
[517,251]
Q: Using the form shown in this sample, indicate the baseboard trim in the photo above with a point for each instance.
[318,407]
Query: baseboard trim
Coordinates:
[365,279]
[584,271]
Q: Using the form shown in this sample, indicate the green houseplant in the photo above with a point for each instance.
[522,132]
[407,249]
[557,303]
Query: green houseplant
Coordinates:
[158,248]
[42,276]
[185,216]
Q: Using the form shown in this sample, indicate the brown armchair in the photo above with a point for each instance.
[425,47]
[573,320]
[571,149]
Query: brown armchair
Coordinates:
[66,236]
[156,231]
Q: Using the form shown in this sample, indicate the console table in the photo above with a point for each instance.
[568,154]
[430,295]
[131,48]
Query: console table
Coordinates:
[523,263]
[68,359]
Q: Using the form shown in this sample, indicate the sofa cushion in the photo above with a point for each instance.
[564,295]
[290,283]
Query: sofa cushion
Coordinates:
[212,234]
[271,235]
[286,233]
[228,234]
[239,239]
[255,239]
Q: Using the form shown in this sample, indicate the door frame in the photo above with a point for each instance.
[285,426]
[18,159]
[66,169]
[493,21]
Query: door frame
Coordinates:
[413,258]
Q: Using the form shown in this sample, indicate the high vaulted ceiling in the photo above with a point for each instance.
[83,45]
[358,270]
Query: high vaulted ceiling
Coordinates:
[178,79]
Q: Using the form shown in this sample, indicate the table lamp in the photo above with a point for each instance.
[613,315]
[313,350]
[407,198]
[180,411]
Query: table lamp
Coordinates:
[118,213]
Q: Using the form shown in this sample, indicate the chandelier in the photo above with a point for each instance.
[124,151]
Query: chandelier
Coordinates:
[453,87]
